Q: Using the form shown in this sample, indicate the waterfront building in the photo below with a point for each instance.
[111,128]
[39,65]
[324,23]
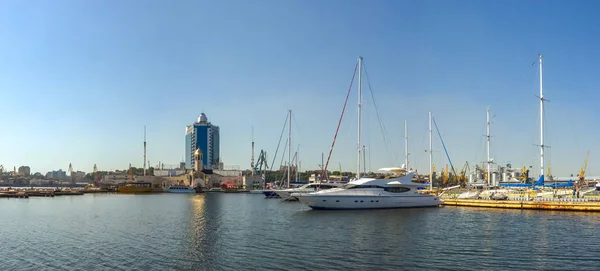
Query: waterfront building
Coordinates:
[24,171]
[57,175]
[202,135]
[169,172]
[115,178]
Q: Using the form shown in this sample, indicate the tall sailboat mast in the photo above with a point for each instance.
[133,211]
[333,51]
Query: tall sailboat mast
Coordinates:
[487,135]
[406,144]
[252,158]
[541,121]
[297,163]
[144,150]
[289,148]
[359,146]
[430,155]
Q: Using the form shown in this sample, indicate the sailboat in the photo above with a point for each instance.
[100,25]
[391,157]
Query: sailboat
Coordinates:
[540,181]
[370,193]
[269,194]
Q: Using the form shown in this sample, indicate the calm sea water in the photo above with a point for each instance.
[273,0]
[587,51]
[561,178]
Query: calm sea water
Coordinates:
[247,232]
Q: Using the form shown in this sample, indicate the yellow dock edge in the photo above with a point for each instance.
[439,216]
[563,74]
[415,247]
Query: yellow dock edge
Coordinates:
[518,204]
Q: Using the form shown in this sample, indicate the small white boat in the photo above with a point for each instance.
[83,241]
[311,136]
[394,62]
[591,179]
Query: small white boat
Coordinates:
[256,191]
[307,188]
[499,196]
[469,195]
[179,189]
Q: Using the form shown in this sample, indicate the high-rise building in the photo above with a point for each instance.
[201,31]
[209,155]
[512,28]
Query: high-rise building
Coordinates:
[24,170]
[202,135]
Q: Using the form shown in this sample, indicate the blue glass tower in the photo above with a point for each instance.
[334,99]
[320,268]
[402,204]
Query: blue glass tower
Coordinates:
[202,135]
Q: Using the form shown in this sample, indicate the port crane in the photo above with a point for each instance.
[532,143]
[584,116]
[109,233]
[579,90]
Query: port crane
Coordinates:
[582,170]
[261,163]
[462,178]
[524,174]
[445,175]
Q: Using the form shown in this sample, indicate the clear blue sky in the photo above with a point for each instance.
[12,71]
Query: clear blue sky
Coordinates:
[80,79]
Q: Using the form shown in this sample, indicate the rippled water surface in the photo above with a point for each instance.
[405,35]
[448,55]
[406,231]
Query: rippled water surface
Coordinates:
[247,232]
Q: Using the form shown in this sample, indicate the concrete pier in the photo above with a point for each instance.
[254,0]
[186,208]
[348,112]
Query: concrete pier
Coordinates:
[557,205]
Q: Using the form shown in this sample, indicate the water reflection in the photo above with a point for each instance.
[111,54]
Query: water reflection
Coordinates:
[246,232]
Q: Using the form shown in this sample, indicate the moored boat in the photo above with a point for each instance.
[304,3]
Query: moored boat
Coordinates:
[135,187]
[307,188]
[469,195]
[270,194]
[370,193]
[179,189]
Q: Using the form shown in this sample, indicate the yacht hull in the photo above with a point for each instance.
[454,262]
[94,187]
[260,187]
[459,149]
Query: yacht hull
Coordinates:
[180,190]
[270,194]
[287,195]
[367,202]
[190,191]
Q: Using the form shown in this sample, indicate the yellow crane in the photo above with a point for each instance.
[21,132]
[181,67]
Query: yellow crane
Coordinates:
[445,175]
[483,169]
[524,173]
[582,170]
[462,178]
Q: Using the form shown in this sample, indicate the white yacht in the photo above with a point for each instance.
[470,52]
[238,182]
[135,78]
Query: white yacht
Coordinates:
[307,188]
[371,193]
[179,189]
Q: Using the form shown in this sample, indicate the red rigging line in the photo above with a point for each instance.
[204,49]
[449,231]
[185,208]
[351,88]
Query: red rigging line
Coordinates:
[339,122]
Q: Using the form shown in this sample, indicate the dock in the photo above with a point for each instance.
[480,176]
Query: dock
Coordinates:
[14,195]
[537,204]
[26,193]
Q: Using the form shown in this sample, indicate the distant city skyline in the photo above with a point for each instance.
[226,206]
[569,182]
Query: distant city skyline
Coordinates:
[81,79]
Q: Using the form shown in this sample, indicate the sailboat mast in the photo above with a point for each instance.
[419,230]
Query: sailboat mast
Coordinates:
[252,159]
[406,144]
[297,161]
[489,173]
[323,167]
[144,150]
[541,121]
[289,148]
[430,155]
[359,146]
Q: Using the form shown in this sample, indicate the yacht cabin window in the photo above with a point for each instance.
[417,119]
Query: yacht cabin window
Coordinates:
[397,189]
